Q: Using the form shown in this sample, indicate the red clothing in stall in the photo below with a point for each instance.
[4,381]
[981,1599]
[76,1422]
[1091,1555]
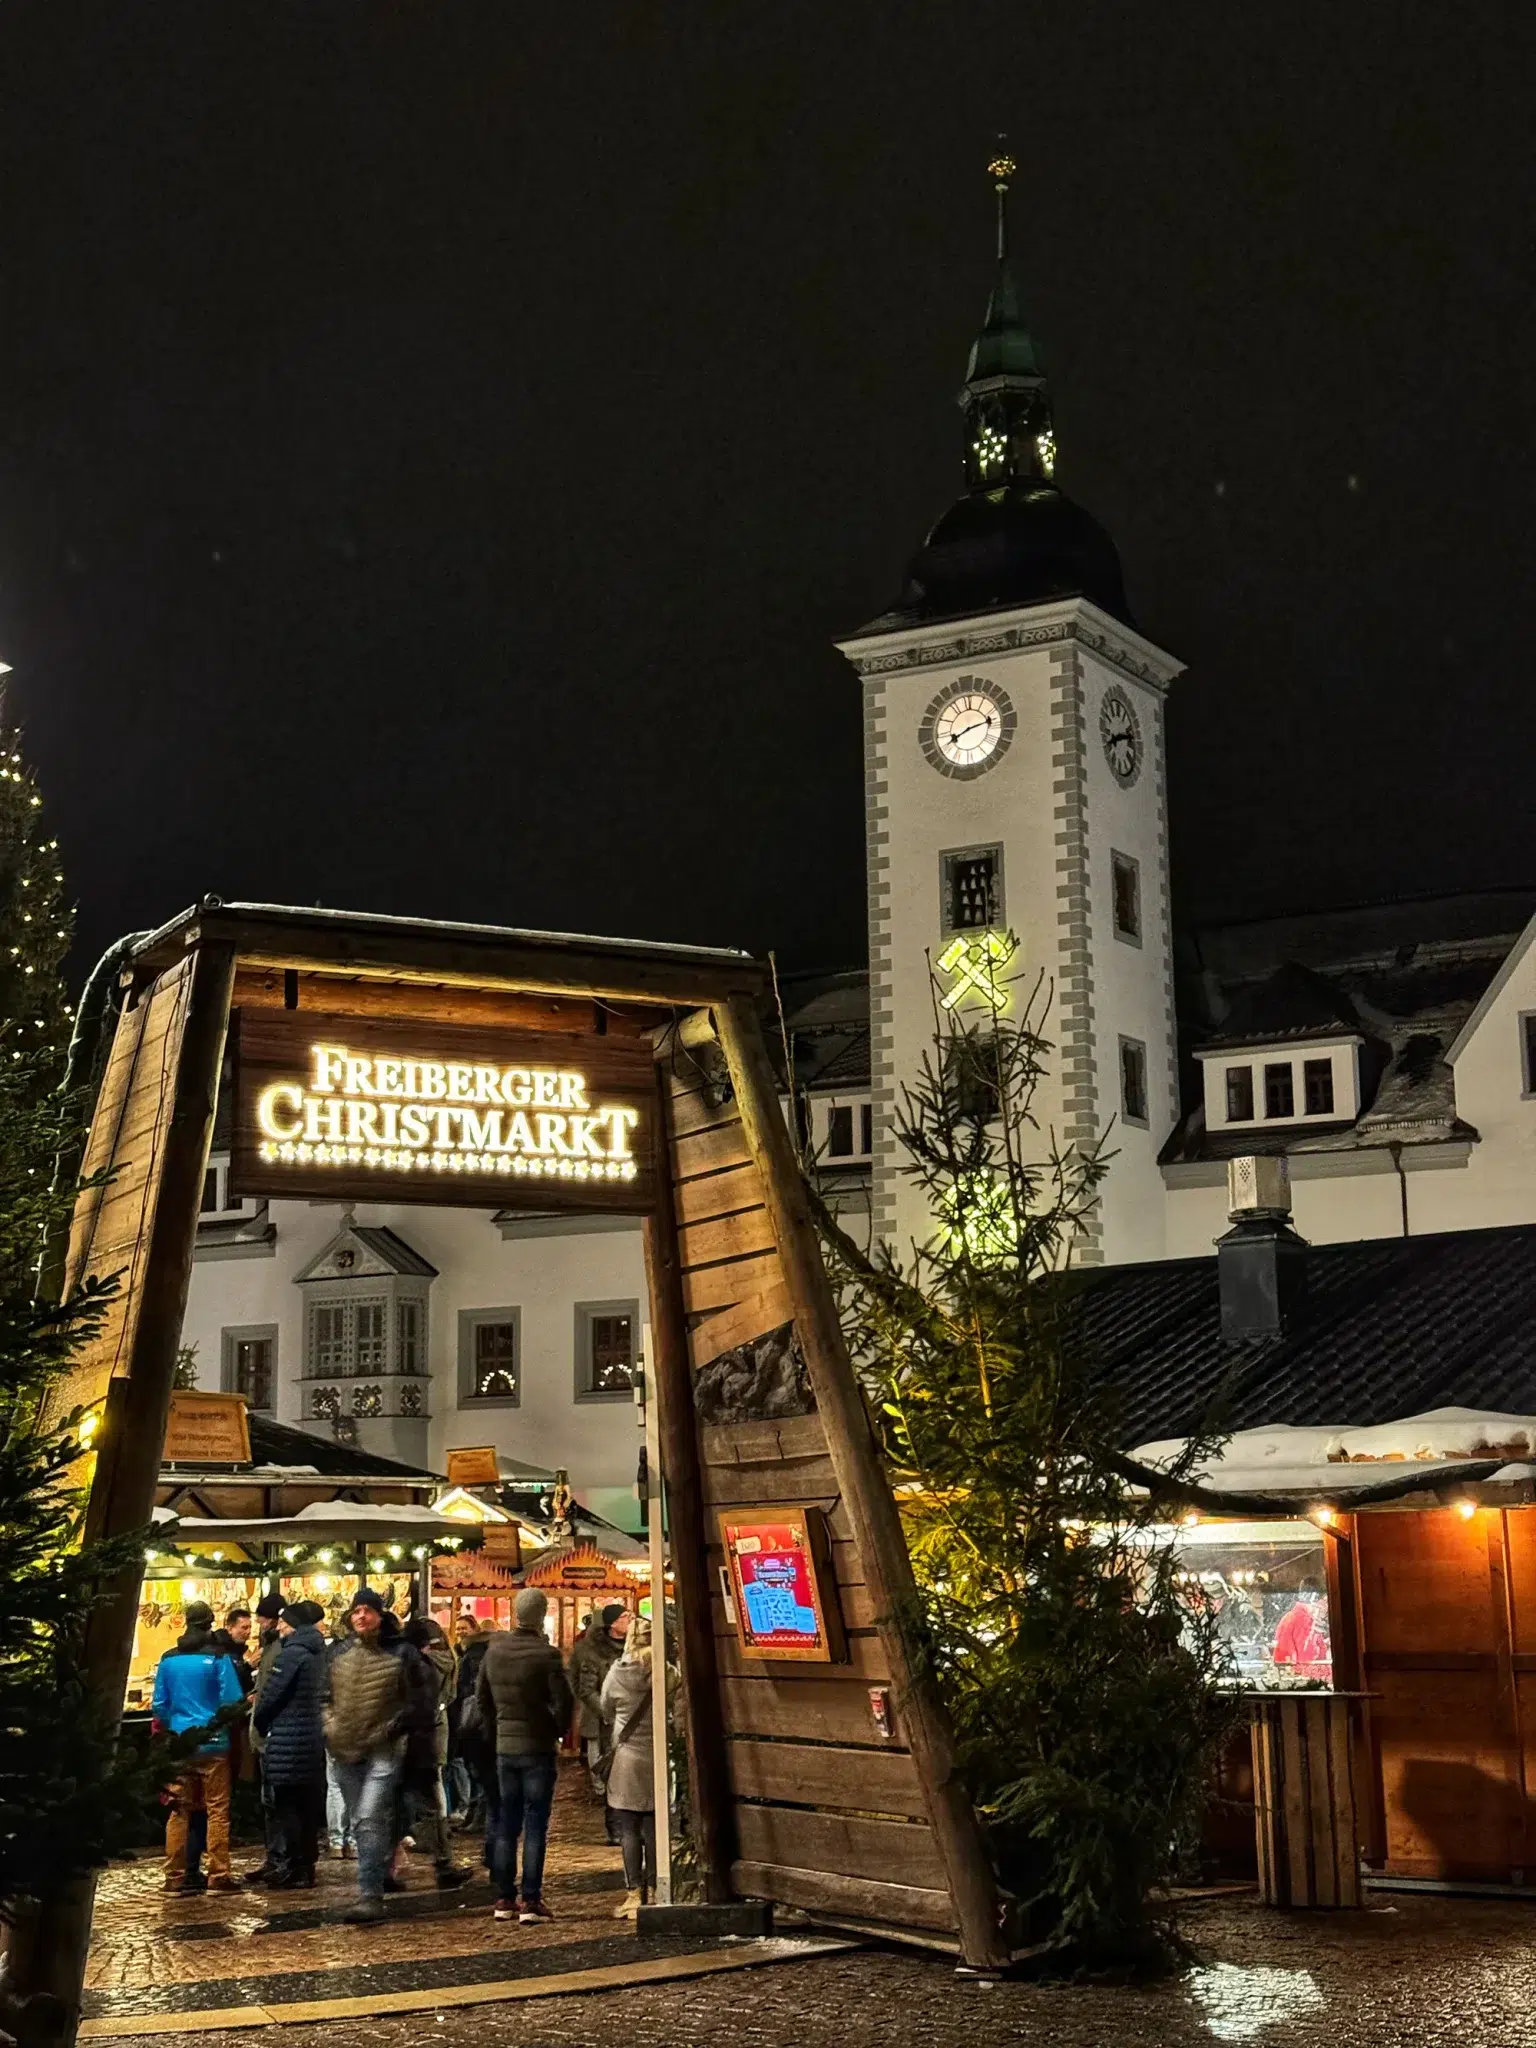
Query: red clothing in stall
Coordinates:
[1299,1641]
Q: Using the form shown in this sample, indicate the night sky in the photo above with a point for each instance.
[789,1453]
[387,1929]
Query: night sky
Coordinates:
[440,441]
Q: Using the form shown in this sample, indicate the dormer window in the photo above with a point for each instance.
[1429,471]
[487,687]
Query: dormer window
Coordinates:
[1312,1084]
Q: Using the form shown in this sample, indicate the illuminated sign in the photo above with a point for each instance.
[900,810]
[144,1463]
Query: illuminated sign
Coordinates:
[973,965]
[781,1584]
[384,1113]
[356,1106]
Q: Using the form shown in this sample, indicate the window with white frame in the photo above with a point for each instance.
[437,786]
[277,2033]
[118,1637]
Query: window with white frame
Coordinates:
[607,1340]
[348,1336]
[249,1365]
[842,1130]
[490,1357]
[1239,1082]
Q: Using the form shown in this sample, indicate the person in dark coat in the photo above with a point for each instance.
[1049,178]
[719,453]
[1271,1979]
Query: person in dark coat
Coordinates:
[522,1687]
[268,1608]
[289,1716]
[426,1750]
[474,1741]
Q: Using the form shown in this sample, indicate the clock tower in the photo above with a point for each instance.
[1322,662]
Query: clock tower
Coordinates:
[1015,790]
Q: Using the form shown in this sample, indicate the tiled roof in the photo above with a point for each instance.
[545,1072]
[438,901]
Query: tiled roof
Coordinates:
[1391,1327]
[274,1443]
[1293,1002]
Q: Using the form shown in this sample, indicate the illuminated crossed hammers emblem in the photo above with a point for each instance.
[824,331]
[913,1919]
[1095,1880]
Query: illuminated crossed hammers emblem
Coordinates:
[974,964]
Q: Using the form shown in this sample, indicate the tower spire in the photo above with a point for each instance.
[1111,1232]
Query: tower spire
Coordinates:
[1009,435]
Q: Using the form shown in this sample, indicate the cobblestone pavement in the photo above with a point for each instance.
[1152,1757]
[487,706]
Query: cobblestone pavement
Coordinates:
[143,1937]
[1409,1972]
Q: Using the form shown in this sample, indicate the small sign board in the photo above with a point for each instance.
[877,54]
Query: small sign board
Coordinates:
[502,1543]
[782,1587]
[477,1466]
[207,1429]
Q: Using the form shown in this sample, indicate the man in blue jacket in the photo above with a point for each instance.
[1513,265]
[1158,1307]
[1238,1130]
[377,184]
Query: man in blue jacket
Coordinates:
[289,1718]
[193,1683]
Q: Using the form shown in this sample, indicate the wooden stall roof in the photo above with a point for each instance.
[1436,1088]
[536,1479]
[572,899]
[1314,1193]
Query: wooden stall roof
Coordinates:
[460,955]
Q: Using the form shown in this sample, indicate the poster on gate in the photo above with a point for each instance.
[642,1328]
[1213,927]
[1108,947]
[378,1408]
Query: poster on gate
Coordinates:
[785,1596]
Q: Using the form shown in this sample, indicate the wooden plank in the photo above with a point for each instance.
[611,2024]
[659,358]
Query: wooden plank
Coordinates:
[1293,1799]
[841,1845]
[818,1709]
[1261,1733]
[887,1905]
[866,1665]
[744,1321]
[704,1731]
[719,1194]
[710,1287]
[726,1237]
[1342,1779]
[353,996]
[812,1774]
[762,1443]
[1430,1660]
[1320,1809]
[802,1479]
[705,1108]
[708,1150]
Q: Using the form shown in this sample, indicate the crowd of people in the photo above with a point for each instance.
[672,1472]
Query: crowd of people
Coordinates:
[372,1737]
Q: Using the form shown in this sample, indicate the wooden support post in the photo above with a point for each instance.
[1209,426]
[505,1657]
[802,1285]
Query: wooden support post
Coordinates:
[862,1482]
[50,1956]
[709,1781]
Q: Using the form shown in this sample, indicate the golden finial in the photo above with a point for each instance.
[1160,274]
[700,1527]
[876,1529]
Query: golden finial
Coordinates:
[1000,170]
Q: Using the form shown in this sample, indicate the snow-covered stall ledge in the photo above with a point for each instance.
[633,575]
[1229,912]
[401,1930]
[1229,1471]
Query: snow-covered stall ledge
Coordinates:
[1461,1450]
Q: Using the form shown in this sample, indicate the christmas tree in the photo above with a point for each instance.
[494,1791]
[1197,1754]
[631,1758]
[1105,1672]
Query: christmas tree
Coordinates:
[36,921]
[1081,1680]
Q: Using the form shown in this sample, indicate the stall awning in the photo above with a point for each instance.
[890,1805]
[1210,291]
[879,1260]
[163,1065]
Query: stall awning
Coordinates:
[334,1521]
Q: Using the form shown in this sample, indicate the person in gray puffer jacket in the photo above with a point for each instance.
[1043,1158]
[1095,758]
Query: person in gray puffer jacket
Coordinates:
[289,1717]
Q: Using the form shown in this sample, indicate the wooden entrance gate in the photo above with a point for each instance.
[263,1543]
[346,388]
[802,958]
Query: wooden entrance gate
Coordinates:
[829,1785]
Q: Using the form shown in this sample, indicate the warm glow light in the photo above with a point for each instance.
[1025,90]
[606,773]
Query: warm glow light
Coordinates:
[89,1424]
[1466,1509]
[1323,1517]
[1191,1521]
[189,1589]
[321,1582]
[402,1114]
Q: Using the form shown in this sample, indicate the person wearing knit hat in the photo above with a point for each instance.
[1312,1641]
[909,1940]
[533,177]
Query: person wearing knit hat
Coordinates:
[289,1717]
[269,1606]
[597,1649]
[374,1698]
[522,1692]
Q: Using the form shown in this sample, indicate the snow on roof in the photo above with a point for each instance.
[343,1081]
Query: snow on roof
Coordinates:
[1285,1458]
[362,1511]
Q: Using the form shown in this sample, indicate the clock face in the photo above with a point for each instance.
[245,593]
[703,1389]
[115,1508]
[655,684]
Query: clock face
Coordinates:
[967,728]
[1120,733]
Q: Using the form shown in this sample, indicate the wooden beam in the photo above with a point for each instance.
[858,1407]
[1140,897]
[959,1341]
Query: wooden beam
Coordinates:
[708,1775]
[132,1435]
[865,1490]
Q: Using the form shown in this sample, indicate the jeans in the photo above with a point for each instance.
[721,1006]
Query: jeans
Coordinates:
[369,1791]
[637,1838]
[204,1782]
[527,1789]
[338,1821]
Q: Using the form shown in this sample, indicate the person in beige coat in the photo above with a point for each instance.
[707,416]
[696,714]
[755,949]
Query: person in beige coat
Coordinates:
[626,1707]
